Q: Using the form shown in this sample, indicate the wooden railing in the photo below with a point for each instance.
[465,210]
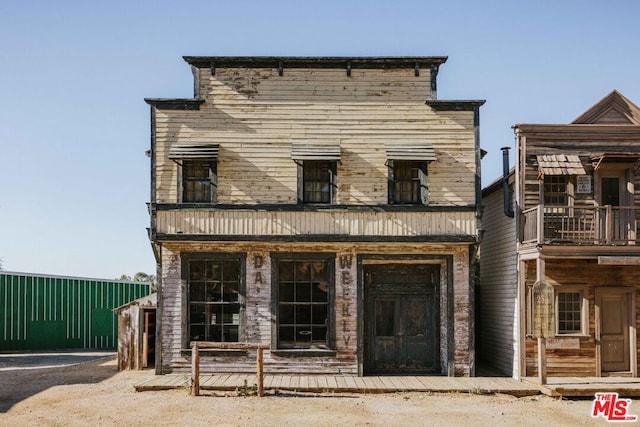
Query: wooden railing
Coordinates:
[589,225]
[195,361]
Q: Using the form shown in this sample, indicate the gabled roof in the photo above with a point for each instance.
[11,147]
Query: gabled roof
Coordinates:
[613,109]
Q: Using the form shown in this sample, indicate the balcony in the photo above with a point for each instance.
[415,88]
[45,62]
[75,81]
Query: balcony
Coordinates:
[343,224]
[580,225]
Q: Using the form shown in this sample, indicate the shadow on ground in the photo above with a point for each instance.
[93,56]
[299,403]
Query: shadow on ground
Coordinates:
[38,372]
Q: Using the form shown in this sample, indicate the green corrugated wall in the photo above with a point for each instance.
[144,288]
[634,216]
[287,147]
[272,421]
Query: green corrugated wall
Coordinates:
[51,312]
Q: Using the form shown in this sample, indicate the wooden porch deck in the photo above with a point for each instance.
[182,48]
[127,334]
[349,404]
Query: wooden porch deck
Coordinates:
[587,386]
[346,383]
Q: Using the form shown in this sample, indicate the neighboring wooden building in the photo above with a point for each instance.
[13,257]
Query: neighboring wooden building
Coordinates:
[577,190]
[136,333]
[325,206]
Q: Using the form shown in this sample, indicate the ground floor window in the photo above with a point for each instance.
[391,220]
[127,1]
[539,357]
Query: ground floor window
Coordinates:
[215,299]
[303,302]
[571,311]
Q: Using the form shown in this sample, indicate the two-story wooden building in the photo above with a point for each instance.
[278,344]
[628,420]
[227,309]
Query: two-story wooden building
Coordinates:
[577,195]
[325,206]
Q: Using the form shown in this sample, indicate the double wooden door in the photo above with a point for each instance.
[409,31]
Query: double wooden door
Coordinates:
[401,319]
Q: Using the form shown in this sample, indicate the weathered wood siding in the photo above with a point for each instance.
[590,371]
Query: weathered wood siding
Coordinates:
[258,322]
[255,115]
[582,361]
[498,300]
[131,331]
[533,146]
[334,222]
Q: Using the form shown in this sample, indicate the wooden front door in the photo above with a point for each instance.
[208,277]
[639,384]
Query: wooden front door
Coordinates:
[614,325]
[401,319]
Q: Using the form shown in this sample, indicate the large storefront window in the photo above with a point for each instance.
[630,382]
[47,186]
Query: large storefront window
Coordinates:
[216,299]
[304,303]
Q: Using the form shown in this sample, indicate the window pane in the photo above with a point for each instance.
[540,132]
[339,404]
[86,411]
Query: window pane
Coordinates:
[196,333]
[303,314]
[196,314]
[319,315]
[286,314]
[303,292]
[197,270]
[303,271]
[230,291]
[214,292]
[196,292]
[286,292]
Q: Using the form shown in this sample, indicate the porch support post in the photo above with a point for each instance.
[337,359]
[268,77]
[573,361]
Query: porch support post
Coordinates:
[195,370]
[542,342]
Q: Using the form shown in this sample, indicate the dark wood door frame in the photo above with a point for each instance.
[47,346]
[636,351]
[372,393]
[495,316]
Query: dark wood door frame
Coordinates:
[630,293]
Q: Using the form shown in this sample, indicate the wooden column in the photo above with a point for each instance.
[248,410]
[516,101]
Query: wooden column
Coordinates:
[260,371]
[542,341]
[195,370]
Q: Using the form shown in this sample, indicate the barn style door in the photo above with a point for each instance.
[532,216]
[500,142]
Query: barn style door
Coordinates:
[401,319]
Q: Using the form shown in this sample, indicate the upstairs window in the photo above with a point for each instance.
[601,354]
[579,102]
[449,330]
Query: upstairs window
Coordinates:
[199,181]
[318,181]
[555,190]
[407,182]
[197,171]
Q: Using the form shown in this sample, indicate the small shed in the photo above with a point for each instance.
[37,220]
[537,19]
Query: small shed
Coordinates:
[136,333]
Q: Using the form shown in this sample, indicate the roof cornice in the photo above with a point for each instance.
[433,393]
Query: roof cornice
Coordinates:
[175,103]
[363,62]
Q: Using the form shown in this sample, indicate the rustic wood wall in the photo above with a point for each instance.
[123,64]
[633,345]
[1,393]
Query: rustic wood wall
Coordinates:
[498,302]
[255,115]
[258,322]
[582,361]
[531,146]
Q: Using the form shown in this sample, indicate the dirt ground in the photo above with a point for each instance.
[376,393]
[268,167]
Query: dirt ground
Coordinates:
[95,393]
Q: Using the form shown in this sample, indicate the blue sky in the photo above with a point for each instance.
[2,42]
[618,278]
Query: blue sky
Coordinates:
[74,179]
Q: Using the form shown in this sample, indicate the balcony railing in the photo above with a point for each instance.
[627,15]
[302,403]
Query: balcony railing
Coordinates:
[584,225]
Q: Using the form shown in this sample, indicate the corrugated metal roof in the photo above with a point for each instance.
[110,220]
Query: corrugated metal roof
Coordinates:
[194,151]
[324,150]
[422,151]
[560,164]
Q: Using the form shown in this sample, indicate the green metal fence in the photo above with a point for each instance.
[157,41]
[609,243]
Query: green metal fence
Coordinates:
[53,312]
